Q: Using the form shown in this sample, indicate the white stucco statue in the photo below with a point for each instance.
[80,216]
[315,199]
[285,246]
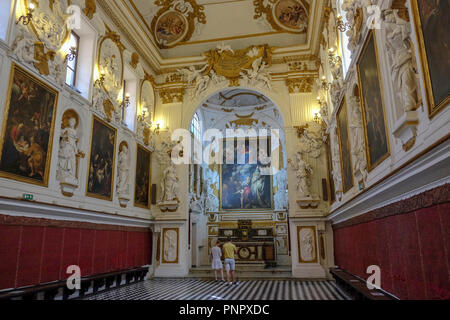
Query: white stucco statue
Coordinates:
[302,170]
[399,48]
[23,46]
[123,168]
[280,198]
[357,138]
[169,184]
[67,155]
[336,170]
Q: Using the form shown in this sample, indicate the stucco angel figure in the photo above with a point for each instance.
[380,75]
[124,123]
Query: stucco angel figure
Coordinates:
[123,167]
[23,46]
[399,48]
[196,76]
[169,184]
[303,171]
[67,155]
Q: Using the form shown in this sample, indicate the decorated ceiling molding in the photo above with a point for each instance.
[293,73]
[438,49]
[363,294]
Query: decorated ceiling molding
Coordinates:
[284,15]
[176,21]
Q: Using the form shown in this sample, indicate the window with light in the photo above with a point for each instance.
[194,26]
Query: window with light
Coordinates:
[196,127]
[71,74]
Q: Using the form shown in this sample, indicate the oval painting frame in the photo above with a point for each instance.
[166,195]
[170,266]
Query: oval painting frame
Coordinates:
[167,28]
[287,15]
[147,87]
[109,42]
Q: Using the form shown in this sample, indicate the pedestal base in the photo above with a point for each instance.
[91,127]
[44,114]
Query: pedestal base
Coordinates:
[168,206]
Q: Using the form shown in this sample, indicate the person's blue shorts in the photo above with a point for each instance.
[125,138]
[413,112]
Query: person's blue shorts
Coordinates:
[230,264]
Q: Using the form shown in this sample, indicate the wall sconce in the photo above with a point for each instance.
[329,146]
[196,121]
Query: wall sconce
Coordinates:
[71,55]
[156,131]
[27,19]
[333,58]
[126,100]
[341,26]
[316,118]
[100,80]
[324,85]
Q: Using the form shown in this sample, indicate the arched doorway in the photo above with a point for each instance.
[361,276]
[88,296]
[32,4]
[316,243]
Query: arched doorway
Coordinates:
[242,199]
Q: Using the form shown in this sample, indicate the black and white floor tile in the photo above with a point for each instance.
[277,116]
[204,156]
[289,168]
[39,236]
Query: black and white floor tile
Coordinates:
[195,289]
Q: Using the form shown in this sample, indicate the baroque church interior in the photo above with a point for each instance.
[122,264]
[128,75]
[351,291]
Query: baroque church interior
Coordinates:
[135,135]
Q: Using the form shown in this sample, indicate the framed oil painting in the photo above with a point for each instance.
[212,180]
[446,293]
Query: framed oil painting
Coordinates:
[431,20]
[375,130]
[27,135]
[100,179]
[331,187]
[170,28]
[344,147]
[243,186]
[292,15]
[142,181]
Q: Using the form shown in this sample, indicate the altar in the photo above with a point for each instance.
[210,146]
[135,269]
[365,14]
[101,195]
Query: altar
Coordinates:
[254,244]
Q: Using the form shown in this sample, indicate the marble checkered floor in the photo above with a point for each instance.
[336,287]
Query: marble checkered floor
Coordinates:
[195,289]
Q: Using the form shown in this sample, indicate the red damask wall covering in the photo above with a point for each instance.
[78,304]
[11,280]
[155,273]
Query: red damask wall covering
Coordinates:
[34,251]
[409,240]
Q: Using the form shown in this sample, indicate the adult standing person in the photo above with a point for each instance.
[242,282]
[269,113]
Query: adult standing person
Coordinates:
[229,250]
[216,255]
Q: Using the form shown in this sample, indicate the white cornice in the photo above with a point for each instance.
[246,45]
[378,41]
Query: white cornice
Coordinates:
[32,209]
[427,172]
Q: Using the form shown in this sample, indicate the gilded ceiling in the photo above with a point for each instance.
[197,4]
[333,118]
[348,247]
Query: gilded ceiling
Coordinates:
[181,28]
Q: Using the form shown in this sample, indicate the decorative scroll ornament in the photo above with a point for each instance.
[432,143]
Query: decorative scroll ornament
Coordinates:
[50,22]
[176,21]
[355,18]
[238,63]
[300,85]
[284,15]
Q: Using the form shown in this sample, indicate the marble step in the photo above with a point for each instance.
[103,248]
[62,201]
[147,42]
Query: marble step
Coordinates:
[246,272]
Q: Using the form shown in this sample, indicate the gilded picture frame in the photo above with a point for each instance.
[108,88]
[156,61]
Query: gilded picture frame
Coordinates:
[142,152]
[28,151]
[330,184]
[93,145]
[434,107]
[343,134]
[268,192]
[164,258]
[364,108]
[315,258]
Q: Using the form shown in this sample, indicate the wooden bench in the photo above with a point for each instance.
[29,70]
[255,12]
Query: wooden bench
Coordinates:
[357,287]
[99,283]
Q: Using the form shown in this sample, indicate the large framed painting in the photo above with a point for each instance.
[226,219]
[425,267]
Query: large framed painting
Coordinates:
[431,19]
[143,176]
[375,130]
[344,147]
[100,180]
[331,188]
[27,135]
[243,184]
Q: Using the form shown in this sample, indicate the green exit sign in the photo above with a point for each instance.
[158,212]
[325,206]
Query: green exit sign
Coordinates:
[27,196]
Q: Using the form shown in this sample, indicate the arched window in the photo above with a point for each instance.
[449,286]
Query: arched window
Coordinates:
[343,40]
[196,127]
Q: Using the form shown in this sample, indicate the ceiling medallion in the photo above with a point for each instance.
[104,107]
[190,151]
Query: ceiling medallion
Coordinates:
[175,21]
[284,15]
